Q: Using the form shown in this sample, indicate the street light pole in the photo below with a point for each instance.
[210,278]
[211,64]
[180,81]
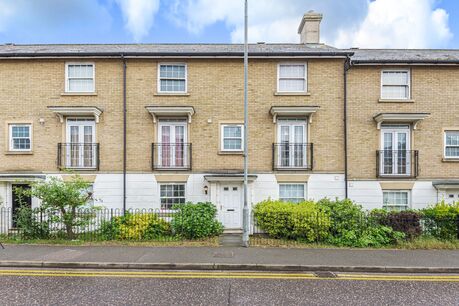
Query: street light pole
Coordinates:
[245,211]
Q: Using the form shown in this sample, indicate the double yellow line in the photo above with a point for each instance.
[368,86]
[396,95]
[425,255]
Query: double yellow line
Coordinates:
[226,275]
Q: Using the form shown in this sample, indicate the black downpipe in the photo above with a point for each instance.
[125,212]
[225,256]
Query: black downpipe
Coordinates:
[124,133]
[347,66]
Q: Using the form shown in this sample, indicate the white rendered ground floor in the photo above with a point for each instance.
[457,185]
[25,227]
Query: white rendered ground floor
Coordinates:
[159,191]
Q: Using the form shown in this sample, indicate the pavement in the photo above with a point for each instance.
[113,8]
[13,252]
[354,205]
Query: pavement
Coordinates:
[230,258]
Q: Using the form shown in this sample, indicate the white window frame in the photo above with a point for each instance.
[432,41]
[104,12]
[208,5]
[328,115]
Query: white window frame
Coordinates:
[293,64]
[159,78]
[444,145]
[10,131]
[302,184]
[408,205]
[170,184]
[222,140]
[382,85]
[67,85]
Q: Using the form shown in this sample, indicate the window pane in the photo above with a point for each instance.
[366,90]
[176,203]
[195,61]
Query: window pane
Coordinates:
[452,151]
[232,144]
[395,78]
[232,131]
[172,71]
[291,85]
[171,194]
[395,200]
[20,131]
[21,144]
[291,71]
[83,85]
[395,92]
[80,71]
[172,85]
[452,138]
[291,192]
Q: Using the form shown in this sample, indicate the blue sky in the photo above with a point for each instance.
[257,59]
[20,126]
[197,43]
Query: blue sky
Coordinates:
[346,23]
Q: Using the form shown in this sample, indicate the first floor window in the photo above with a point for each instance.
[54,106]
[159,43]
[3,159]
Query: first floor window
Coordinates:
[172,78]
[452,144]
[395,84]
[292,193]
[20,137]
[171,194]
[396,200]
[80,77]
[232,137]
[291,78]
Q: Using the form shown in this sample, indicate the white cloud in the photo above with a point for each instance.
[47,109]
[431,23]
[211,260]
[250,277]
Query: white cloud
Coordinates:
[138,16]
[362,23]
[399,24]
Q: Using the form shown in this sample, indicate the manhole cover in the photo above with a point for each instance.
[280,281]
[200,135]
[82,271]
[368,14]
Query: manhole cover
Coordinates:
[325,274]
[224,255]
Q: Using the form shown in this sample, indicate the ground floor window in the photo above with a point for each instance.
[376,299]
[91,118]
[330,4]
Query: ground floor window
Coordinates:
[171,194]
[294,193]
[396,200]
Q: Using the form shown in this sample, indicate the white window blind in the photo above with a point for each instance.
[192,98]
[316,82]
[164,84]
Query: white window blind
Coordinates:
[292,192]
[452,144]
[292,78]
[395,85]
[396,200]
[172,78]
[20,137]
[232,138]
[80,78]
[171,194]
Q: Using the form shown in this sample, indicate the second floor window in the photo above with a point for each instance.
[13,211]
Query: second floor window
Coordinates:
[232,137]
[395,85]
[20,137]
[291,78]
[172,78]
[79,77]
[452,144]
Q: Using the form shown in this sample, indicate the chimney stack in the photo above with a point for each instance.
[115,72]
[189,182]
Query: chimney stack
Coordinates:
[309,28]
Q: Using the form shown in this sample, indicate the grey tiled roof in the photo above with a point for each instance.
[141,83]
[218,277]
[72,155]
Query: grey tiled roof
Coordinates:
[362,56]
[8,50]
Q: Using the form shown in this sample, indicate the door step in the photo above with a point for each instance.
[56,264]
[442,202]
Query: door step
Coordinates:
[230,240]
[233,231]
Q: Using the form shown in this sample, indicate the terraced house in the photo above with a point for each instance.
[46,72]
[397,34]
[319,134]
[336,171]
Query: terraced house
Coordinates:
[153,125]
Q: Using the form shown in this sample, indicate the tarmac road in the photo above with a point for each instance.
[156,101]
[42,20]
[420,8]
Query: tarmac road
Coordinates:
[115,287]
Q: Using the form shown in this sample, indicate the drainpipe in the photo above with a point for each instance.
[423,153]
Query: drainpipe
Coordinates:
[124,133]
[347,66]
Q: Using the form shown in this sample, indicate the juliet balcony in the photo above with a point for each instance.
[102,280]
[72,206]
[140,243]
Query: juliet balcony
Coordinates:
[293,156]
[171,156]
[397,163]
[78,156]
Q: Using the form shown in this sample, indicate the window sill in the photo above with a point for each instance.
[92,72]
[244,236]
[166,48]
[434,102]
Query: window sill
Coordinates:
[280,93]
[396,101]
[79,94]
[230,152]
[172,94]
[18,152]
[450,160]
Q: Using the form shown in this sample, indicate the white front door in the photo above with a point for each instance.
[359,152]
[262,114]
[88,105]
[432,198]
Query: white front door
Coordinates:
[80,147]
[396,154]
[292,135]
[230,198]
[172,151]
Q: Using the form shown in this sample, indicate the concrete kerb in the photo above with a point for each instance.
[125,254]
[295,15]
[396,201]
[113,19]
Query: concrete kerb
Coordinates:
[224,267]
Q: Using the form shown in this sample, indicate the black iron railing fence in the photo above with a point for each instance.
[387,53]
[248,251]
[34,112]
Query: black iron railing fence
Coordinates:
[171,156]
[393,163]
[78,156]
[293,156]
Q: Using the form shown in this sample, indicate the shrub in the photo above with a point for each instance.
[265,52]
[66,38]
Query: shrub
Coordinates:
[440,220]
[30,225]
[139,226]
[407,222]
[195,221]
[303,221]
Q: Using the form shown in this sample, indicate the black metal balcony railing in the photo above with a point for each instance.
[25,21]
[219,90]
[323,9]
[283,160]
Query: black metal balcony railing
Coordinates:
[293,156]
[397,163]
[171,156]
[78,156]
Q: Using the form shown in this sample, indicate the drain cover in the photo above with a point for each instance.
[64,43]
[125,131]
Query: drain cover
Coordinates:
[223,254]
[325,274]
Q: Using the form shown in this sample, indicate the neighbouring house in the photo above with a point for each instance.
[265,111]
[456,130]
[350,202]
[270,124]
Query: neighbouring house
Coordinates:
[151,125]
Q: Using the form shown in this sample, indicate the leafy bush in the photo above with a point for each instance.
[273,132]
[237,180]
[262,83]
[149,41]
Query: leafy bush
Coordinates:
[440,220]
[303,221]
[407,222]
[30,225]
[195,221]
[140,226]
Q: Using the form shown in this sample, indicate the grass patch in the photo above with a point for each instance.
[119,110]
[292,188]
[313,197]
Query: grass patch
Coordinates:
[429,243]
